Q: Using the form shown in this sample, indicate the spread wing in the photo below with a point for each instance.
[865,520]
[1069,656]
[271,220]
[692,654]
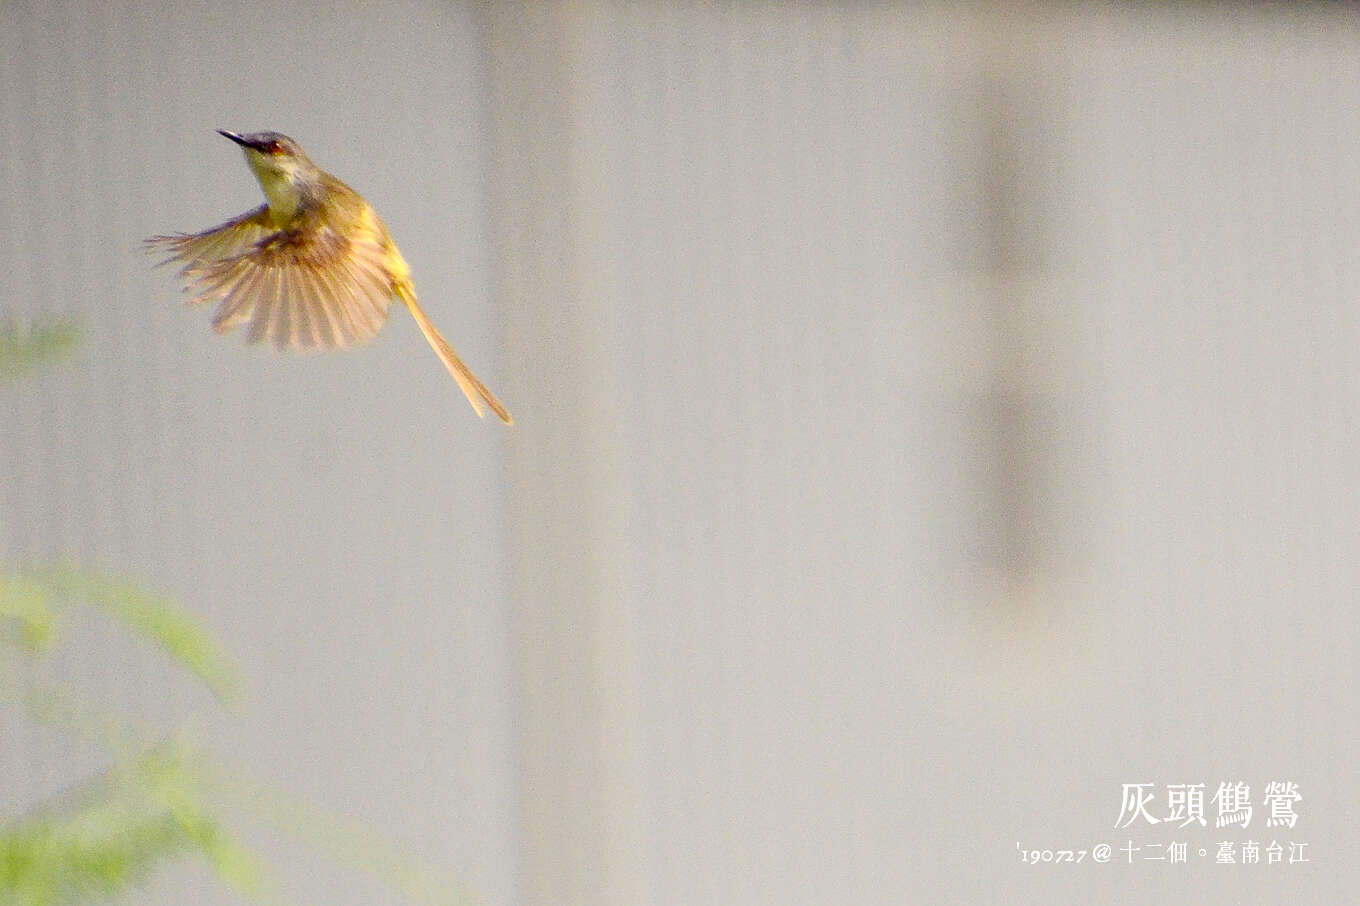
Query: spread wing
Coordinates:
[303,288]
[225,241]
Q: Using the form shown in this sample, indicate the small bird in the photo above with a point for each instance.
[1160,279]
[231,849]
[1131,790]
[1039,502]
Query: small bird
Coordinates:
[313,267]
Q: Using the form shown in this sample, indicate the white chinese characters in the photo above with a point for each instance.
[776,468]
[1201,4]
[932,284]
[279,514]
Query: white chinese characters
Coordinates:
[1185,804]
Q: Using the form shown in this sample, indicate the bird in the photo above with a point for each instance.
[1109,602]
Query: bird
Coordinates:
[312,268]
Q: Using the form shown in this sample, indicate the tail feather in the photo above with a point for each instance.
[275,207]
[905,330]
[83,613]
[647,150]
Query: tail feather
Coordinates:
[472,388]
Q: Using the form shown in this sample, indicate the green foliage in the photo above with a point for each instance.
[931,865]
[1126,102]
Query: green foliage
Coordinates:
[28,605]
[158,802]
[115,831]
[36,599]
[150,807]
[24,347]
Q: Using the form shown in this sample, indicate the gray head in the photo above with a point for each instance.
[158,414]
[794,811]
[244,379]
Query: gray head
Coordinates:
[268,146]
[284,171]
[270,143]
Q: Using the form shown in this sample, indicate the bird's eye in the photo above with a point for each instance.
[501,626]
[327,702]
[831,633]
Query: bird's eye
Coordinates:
[274,148]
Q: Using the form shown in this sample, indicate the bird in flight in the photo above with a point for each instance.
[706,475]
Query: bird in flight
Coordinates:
[312,268]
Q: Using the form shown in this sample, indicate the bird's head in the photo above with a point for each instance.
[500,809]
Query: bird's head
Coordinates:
[284,171]
[271,152]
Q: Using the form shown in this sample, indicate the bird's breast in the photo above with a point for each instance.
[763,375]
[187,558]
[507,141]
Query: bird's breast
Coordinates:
[283,196]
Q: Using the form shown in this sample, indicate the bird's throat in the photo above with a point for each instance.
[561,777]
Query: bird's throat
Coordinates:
[282,193]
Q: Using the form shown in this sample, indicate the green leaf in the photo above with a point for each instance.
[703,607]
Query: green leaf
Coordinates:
[25,347]
[29,604]
[111,835]
[163,622]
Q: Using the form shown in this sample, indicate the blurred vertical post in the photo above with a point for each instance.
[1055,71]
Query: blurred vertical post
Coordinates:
[1018,516]
[573,633]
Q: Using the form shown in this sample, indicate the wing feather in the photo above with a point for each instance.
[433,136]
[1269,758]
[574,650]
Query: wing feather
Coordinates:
[298,329]
[223,281]
[327,331]
[227,240]
[310,311]
[278,321]
[367,292]
[259,306]
[300,288]
[236,307]
[338,310]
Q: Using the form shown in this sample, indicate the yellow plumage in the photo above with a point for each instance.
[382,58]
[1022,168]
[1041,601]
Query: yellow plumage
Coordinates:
[312,268]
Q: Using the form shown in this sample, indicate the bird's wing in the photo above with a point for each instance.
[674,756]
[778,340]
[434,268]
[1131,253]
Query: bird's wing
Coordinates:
[223,241]
[303,288]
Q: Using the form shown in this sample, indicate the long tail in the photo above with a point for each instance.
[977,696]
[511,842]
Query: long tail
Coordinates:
[474,389]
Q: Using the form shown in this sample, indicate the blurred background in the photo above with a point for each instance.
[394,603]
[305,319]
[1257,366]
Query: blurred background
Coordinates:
[930,418]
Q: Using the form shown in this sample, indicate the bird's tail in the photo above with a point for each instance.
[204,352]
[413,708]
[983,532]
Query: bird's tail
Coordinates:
[474,389]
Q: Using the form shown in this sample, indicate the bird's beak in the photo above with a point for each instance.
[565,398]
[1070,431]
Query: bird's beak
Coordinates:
[240,140]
